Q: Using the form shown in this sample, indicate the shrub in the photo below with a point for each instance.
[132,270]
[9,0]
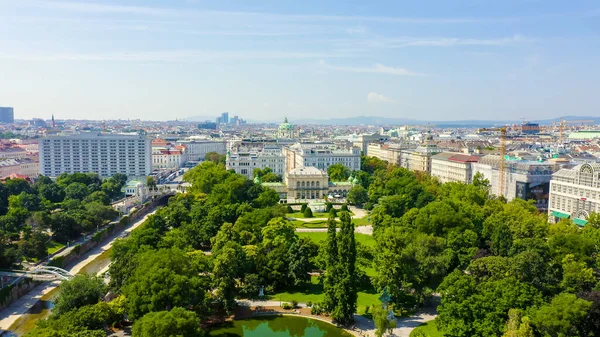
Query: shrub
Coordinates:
[307,213]
[345,207]
[316,309]
[294,303]
[328,207]
[289,209]
[309,304]
[287,306]
[303,208]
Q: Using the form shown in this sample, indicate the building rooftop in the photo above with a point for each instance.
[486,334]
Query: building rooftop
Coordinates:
[307,171]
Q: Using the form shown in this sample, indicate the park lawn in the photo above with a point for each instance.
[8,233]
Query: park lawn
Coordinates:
[53,246]
[317,237]
[429,329]
[314,294]
[361,221]
[311,224]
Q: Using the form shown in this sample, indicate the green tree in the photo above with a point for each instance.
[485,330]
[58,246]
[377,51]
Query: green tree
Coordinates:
[518,325]
[34,246]
[175,323]
[338,172]
[358,195]
[307,213]
[76,191]
[576,276]
[228,266]
[301,252]
[215,158]
[331,265]
[80,291]
[151,182]
[51,192]
[383,324]
[479,180]
[165,279]
[346,288]
[562,316]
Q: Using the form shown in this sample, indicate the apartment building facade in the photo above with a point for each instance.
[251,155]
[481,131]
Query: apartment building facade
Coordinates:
[105,154]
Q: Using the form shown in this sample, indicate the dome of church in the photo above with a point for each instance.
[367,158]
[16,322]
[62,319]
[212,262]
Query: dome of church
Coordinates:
[285,126]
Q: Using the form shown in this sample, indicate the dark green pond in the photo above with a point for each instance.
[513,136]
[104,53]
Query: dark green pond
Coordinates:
[279,326]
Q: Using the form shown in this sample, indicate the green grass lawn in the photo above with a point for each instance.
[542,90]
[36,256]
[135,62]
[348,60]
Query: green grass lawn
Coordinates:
[364,239]
[314,293]
[311,224]
[361,222]
[429,329]
[53,246]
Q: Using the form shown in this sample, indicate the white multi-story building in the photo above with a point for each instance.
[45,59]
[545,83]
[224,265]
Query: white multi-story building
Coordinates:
[453,167]
[575,193]
[321,156]
[197,149]
[105,154]
[171,158]
[388,152]
[244,161]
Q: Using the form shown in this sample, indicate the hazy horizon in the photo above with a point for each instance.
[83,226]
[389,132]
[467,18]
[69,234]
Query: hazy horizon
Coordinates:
[162,60]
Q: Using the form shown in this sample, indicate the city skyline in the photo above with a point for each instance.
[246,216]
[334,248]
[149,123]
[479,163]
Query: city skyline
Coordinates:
[159,60]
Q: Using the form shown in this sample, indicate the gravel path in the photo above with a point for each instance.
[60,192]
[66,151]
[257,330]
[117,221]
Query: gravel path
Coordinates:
[404,326]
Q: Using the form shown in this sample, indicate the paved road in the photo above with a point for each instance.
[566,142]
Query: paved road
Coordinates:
[10,314]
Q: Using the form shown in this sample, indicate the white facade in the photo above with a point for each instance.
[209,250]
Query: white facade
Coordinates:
[197,149]
[105,154]
[575,193]
[388,152]
[321,156]
[245,161]
[168,158]
[452,167]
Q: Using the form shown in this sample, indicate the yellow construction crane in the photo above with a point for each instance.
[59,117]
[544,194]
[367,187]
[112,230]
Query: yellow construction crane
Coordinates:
[501,171]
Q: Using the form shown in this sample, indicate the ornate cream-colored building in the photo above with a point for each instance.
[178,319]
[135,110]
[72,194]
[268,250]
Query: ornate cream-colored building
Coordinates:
[309,183]
[575,193]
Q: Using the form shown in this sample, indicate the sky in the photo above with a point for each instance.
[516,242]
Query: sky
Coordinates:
[263,60]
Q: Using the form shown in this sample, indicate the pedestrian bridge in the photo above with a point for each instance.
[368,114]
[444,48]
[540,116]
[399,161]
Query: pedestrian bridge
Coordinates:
[43,273]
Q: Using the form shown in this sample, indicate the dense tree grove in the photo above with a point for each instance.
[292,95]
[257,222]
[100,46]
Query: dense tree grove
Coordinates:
[33,214]
[485,257]
[499,267]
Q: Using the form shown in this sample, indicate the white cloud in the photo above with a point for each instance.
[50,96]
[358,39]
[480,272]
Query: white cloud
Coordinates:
[163,56]
[360,30]
[377,68]
[374,97]
[100,7]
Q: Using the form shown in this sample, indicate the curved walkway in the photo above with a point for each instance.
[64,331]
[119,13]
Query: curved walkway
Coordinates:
[365,326]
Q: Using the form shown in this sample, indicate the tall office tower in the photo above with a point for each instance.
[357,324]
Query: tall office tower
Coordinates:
[105,154]
[225,118]
[7,115]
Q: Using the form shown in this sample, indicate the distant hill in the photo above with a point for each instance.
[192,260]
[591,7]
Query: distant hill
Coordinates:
[199,118]
[374,120]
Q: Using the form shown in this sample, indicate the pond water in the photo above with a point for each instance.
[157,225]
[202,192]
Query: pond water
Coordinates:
[279,326]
